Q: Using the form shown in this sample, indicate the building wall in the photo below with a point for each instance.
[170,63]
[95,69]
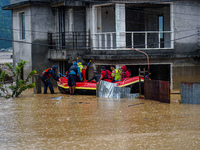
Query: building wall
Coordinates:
[38,22]
[79,19]
[185,70]
[42,22]
[108,18]
[22,48]
[186,15]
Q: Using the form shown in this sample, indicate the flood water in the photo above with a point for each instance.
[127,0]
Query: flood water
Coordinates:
[35,121]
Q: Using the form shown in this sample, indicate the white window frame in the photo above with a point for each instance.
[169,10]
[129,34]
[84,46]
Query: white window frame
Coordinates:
[20,26]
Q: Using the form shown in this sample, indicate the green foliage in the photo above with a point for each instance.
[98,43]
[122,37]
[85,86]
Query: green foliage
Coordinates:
[2,85]
[2,76]
[19,84]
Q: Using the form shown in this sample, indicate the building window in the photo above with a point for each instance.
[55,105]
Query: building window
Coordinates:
[161,26]
[22,25]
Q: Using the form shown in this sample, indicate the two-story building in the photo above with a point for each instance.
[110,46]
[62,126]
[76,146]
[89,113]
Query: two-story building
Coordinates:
[47,32]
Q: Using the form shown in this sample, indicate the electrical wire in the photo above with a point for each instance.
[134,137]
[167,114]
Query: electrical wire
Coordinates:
[81,12]
[184,37]
[32,32]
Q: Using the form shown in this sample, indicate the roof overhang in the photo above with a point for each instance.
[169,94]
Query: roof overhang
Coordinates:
[23,4]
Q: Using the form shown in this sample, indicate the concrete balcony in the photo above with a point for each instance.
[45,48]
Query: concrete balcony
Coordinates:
[57,54]
[64,45]
[146,40]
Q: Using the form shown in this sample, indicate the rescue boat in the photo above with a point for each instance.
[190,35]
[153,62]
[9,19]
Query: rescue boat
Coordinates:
[89,88]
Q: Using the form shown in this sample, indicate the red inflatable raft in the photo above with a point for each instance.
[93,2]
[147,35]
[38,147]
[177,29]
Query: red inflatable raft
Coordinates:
[90,87]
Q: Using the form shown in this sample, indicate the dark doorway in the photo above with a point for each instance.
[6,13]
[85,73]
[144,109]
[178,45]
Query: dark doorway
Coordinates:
[157,72]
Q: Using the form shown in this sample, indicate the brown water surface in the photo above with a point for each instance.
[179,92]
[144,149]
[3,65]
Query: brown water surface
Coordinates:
[87,122]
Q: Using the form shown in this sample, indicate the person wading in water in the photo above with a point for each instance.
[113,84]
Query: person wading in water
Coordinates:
[72,77]
[45,77]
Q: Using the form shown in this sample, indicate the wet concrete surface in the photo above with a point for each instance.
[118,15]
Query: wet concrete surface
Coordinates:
[36,121]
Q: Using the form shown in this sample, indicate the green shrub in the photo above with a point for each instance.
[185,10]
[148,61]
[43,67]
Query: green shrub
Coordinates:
[19,85]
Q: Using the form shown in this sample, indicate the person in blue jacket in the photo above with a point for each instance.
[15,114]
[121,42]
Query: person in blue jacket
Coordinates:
[45,77]
[72,75]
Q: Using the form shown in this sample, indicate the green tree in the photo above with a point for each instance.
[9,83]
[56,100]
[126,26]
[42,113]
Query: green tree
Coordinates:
[3,88]
[19,85]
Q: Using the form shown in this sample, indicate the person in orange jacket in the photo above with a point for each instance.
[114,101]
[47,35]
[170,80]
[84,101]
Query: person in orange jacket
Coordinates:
[45,77]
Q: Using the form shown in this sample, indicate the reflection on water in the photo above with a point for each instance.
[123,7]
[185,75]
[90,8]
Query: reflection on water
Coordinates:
[86,122]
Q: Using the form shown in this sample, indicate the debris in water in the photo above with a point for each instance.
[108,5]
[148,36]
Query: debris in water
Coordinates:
[57,98]
[80,103]
[135,104]
[176,101]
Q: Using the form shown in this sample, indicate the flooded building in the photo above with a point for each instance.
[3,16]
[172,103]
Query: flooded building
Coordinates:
[47,32]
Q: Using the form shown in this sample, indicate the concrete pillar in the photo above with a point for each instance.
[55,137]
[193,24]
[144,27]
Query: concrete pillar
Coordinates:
[172,24]
[93,26]
[37,81]
[71,20]
[120,19]
[99,21]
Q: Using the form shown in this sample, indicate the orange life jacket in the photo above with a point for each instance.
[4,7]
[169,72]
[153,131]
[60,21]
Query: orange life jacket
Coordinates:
[45,73]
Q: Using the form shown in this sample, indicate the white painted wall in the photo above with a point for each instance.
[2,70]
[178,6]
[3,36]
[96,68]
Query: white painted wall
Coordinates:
[22,51]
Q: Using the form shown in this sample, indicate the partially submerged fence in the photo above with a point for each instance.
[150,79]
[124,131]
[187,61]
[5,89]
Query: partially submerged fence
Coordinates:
[190,93]
[157,90]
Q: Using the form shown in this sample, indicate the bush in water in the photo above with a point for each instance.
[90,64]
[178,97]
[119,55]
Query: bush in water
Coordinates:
[3,89]
[19,85]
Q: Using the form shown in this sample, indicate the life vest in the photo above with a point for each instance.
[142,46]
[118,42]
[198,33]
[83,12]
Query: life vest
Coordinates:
[46,74]
[80,65]
[108,75]
[117,74]
[73,68]
[124,75]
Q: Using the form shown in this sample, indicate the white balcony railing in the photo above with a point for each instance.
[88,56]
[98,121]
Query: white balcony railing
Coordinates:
[137,39]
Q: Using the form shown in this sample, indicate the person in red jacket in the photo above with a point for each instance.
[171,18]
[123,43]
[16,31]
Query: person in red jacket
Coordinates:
[105,75]
[125,73]
[84,72]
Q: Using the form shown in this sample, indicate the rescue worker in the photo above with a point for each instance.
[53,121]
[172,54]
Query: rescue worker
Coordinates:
[66,73]
[125,73]
[116,74]
[80,65]
[45,77]
[84,72]
[95,77]
[105,75]
[72,75]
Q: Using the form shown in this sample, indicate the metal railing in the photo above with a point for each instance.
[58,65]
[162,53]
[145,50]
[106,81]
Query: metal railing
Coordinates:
[69,40]
[136,39]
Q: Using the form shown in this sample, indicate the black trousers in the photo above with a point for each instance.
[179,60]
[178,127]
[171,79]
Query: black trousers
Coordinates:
[47,83]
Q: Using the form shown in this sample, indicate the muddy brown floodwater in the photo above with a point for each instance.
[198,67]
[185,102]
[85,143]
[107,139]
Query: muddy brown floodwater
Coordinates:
[87,122]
